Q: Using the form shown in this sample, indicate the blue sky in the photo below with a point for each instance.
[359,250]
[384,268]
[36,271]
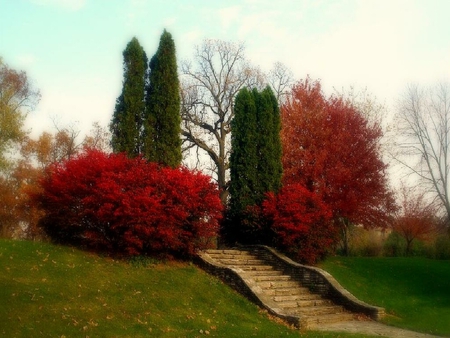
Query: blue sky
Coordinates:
[72,49]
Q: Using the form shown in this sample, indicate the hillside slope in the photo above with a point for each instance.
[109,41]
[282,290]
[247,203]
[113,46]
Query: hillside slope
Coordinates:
[48,290]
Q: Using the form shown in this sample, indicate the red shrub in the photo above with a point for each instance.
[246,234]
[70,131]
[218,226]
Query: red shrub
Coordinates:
[122,205]
[301,222]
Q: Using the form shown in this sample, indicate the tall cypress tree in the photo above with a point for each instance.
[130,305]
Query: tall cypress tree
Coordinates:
[255,163]
[162,126]
[126,124]
[244,153]
[270,167]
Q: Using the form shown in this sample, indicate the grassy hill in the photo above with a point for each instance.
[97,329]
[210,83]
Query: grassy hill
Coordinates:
[414,291]
[53,291]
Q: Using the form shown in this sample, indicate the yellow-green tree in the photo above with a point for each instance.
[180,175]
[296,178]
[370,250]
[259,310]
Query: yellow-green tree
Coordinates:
[17,98]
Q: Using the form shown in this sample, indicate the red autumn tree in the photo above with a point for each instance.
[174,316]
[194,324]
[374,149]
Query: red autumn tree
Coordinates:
[301,222]
[330,149]
[130,206]
[417,217]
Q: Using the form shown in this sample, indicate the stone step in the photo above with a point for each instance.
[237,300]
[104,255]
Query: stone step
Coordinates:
[315,310]
[228,252]
[312,322]
[307,303]
[293,298]
[239,262]
[256,267]
[262,273]
[286,291]
[231,256]
[278,284]
[269,278]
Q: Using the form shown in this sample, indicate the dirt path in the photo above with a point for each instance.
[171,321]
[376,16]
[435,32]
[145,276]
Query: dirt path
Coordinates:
[373,328]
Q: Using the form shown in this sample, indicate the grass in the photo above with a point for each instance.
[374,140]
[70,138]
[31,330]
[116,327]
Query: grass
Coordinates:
[53,291]
[414,291]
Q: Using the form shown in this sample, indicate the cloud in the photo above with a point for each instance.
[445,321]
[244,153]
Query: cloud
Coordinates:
[69,5]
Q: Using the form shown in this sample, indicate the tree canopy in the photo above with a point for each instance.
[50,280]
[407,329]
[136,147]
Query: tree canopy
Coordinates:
[330,148]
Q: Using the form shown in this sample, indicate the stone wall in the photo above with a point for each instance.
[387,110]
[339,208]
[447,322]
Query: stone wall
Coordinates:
[318,281]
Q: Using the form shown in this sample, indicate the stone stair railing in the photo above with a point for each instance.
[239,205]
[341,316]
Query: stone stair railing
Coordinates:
[303,296]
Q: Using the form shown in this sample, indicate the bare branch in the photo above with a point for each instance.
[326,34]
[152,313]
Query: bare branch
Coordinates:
[209,85]
[422,129]
[280,79]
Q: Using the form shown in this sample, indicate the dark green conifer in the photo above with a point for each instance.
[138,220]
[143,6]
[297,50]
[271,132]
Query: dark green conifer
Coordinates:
[270,167]
[255,163]
[126,124]
[162,126]
[244,152]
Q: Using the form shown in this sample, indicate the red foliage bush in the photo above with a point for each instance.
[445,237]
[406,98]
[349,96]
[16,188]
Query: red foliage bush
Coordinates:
[301,222]
[129,206]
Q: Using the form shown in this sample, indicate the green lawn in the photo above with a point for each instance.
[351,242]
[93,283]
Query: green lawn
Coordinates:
[52,291]
[414,291]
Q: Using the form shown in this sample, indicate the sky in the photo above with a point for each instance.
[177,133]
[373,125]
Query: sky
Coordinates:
[72,49]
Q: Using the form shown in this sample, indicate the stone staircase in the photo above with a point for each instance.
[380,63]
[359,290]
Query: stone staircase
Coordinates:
[261,275]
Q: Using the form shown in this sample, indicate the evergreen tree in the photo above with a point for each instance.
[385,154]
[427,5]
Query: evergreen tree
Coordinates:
[162,126]
[255,163]
[270,166]
[126,125]
[244,153]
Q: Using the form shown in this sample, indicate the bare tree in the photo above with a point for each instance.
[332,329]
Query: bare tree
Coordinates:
[280,78]
[64,144]
[209,86]
[422,128]
[98,138]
